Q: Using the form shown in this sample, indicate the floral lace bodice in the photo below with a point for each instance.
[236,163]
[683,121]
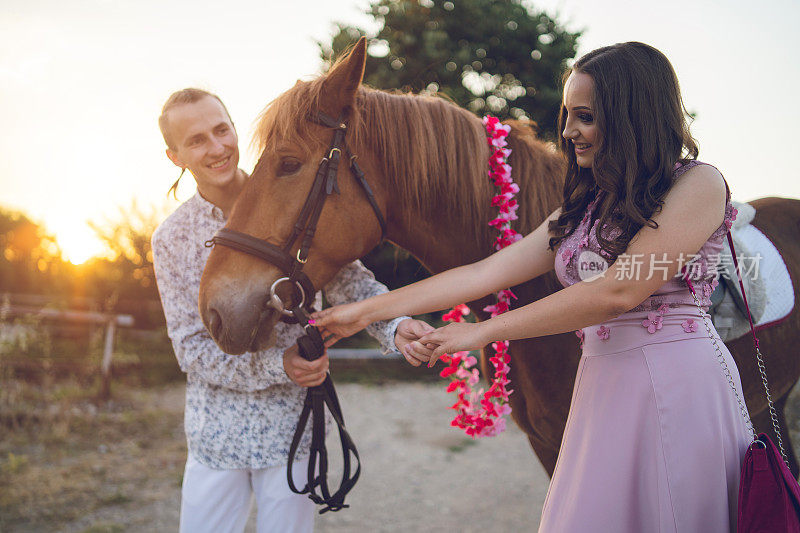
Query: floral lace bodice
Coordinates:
[576,253]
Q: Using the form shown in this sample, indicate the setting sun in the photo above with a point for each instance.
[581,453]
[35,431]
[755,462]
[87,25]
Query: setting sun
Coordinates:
[77,242]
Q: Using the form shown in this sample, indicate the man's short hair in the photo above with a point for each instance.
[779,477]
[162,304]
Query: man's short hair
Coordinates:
[189,95]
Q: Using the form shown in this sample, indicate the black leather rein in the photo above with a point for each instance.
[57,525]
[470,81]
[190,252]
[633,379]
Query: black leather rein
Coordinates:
[311,345]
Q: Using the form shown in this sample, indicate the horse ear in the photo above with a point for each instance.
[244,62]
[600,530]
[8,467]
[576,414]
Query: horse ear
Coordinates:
[342,82]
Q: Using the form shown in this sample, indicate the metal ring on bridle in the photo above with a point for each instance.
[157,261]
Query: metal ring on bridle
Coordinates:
[275,301]
[301,261]
[334,149]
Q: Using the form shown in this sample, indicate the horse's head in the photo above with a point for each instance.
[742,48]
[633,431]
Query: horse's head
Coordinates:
[235,287]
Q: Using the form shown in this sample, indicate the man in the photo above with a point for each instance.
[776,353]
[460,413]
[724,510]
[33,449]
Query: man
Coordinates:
[241,411]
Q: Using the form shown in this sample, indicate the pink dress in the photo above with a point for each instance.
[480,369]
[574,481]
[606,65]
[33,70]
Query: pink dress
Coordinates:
[655,439]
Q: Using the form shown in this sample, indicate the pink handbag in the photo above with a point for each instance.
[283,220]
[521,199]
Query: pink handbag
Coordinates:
[769,495]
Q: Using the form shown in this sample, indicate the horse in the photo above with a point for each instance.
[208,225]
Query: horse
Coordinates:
[426,160]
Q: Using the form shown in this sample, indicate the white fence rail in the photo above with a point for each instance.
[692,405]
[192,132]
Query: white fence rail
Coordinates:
[110,321]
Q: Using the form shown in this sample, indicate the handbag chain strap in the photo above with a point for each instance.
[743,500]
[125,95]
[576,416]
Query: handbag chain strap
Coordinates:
[759,358]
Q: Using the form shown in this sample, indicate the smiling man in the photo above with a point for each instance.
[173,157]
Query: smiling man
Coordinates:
[241,410]
[200,137]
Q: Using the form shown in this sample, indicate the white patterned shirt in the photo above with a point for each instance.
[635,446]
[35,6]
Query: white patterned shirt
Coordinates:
[241,410]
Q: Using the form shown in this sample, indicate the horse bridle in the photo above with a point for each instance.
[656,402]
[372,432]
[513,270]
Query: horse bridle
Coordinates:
[325,183]
[311,345]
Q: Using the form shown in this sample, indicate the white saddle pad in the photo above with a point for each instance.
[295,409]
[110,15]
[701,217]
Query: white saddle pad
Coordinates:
[780,293]
[773,295]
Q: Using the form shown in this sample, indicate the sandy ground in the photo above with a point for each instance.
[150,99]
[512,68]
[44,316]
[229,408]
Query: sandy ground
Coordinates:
[418,473]
[421,474]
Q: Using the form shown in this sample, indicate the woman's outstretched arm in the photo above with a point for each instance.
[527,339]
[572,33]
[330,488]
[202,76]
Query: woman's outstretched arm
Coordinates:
[514,264]
[692,211]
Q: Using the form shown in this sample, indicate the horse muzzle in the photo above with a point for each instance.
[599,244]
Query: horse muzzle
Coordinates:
[242,318]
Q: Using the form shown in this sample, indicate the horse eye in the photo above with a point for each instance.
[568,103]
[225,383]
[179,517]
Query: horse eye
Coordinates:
[288,166]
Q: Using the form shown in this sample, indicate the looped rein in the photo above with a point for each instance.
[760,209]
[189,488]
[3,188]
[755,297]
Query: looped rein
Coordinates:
[479,413]
[312,347]
[311,344]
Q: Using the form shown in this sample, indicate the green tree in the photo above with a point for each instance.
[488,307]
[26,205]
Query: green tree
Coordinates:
[498,57]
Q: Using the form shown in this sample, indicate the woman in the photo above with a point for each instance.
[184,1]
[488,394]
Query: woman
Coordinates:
[655,437]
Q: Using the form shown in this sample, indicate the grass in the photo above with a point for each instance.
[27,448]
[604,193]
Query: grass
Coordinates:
[69,456]
[116,498]
[105,527]
[14,464]
[461,446]
[68,462]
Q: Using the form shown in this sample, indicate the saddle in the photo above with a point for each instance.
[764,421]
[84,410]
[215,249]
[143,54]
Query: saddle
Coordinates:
[764,276]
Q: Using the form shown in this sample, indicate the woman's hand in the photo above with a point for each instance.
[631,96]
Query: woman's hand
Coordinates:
[455,337]
[340,321]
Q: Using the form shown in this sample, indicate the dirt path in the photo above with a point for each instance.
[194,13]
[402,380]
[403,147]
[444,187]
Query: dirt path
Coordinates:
[419,474]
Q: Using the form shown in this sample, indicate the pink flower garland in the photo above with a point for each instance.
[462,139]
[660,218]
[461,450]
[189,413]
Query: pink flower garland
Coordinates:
[479,413]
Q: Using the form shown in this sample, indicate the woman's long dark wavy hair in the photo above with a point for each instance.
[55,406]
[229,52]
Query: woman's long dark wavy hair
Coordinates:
[638,109]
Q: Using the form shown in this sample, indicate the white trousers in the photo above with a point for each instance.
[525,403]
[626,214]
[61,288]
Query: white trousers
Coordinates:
[219,501]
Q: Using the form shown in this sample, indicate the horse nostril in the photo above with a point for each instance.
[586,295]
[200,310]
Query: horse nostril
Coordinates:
[214,322]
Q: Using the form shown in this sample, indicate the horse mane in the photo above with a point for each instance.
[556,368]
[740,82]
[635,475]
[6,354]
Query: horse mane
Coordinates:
[433,153]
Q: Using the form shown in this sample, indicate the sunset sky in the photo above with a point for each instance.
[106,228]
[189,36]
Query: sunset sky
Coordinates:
[82,83]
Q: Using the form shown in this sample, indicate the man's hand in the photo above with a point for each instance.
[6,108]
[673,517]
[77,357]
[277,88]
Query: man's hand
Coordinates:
[406,339]
[302,372]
